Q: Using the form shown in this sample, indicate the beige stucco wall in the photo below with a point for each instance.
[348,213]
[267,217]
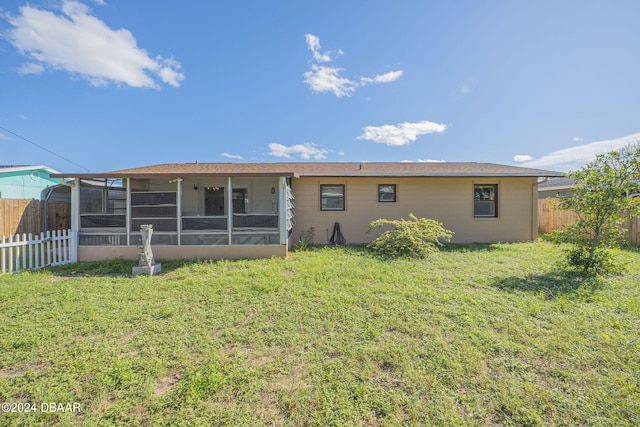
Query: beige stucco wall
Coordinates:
[97,253]
[448,200]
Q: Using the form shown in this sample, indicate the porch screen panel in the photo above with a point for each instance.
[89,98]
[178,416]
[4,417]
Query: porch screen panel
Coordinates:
[214,201]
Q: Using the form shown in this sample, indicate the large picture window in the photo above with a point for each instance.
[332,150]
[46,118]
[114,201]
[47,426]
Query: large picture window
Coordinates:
[386,192]
[332,197]
[485,200]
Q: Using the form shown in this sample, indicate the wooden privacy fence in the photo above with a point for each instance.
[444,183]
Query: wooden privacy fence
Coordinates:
[28,252]
[550,218]
[18,216]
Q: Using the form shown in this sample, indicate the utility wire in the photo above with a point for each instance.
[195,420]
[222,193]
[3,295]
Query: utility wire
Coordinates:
[44,148]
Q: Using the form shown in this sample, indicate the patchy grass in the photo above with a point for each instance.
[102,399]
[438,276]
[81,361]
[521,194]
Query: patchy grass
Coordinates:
[477,335]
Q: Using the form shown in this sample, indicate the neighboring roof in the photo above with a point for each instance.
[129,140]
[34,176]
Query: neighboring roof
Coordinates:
[320,169]
[12,168]
[557,184]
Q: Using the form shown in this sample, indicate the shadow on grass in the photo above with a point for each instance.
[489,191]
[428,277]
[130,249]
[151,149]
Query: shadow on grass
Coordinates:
[112,267]
[118,267]
[553,284]
[365,251]
[631,248]
[469,247]
[122,267]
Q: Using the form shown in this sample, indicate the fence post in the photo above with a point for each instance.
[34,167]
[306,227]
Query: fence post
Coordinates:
[3,253]
[42,258]
[54,249]
[10,253]
[30,251]
[24,251]
[65,240]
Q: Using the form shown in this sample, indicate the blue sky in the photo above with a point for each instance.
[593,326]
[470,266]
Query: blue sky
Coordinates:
[113,84]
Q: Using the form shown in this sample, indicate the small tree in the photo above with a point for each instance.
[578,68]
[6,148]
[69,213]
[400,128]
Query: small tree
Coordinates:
[416,238]
[601,198]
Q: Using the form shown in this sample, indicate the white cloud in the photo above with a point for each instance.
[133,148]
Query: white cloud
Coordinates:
[313,43]
[30,68]
[424,161]
[232,156]
[389,77]
[81,44]
[577,139]
[522,158]
[577,156]
[401,134]
[4,137]
[326,79]
[305,151]
[323,78]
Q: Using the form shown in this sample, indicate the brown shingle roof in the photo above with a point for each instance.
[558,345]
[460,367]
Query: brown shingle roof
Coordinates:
[322,169]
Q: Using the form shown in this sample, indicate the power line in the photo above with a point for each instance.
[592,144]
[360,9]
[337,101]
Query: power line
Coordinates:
[45,149]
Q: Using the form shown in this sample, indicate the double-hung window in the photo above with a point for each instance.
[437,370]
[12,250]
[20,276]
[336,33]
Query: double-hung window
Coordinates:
[332,197]
[386,193]
[485,200]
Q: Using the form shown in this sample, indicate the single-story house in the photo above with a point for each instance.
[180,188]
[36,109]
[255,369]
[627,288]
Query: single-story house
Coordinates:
[555,187]
[251,210]
[26,182]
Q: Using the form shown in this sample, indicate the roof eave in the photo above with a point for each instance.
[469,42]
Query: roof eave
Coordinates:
[172,175]
[430,175]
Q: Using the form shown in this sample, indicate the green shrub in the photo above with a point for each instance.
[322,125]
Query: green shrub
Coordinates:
[592,260]
[417,237]
[556,236]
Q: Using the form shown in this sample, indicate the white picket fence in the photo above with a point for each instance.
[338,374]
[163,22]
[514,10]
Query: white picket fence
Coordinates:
[27,252]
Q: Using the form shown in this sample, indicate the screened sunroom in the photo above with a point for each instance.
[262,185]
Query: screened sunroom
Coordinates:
[193,211]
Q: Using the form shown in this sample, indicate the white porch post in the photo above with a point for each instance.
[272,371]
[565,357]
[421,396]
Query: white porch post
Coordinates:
[229,209]
[75,220]
[282,210]
[179,208]
[128,211]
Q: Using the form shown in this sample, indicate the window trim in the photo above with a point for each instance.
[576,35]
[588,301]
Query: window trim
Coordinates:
[395,193]
[496,197]
[344,197]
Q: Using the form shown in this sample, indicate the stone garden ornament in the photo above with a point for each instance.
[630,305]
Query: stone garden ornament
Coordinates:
[147,264]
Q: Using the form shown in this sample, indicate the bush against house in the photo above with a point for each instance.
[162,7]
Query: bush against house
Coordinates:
[416,237]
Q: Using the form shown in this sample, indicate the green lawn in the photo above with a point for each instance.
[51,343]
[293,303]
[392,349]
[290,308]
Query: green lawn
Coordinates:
[476,335]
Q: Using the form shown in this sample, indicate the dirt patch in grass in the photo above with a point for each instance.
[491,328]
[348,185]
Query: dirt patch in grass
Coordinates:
[21,371]
[167,383]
